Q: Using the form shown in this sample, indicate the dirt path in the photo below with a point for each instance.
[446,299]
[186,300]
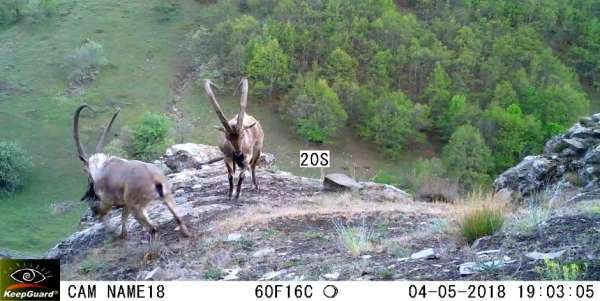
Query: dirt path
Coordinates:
[182,80]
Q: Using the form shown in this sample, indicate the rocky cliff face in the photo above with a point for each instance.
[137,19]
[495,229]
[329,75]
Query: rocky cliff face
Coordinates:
[569,167]
[199,183]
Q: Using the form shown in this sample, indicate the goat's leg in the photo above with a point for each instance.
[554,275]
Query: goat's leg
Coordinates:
[103,210]
[124,216]
[168,199]
[240,181]
[230,173]
[253,167]
[141,216]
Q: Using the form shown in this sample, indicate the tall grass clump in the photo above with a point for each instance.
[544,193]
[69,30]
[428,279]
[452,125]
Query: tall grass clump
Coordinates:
[14,163]
[482,215]
[150,136]
[356,240]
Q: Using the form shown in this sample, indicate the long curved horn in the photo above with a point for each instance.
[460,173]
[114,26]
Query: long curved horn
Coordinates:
[211,96]
[100,144]
[80,150]
[243,102]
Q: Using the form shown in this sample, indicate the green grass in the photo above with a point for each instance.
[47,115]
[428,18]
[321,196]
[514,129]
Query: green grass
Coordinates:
[33,56]
[483,215]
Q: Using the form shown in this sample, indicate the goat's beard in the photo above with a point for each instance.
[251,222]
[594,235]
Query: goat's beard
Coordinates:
[240,160]
[91,198]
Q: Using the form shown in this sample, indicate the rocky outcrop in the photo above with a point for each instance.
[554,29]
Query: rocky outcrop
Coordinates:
[569,165]
[199,184]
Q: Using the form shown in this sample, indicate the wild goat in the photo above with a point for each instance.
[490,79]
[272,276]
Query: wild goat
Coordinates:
[114,182]
[241,139]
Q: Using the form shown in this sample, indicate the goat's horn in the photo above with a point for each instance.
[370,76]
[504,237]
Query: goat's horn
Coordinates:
[213,100]
[243,102]
[100,144]
[80,150]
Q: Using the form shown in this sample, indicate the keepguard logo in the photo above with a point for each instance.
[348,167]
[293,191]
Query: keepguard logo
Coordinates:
[29,279]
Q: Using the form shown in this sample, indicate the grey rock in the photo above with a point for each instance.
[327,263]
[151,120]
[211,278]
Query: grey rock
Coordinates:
[339,182]
[231,274]
[331,276]
[575,143]
[189,155]
[596,117]
[156,274]
[540,256]
[468,268]
[425,254]
[529,176]
[592,156]
[579,131]
[263,252]
[236,236]
[272,275]
[382,192]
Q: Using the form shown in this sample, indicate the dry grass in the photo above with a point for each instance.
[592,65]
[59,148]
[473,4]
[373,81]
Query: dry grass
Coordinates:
[344,205]
[481,214]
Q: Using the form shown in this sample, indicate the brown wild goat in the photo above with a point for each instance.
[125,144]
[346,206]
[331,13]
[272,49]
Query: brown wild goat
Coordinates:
[114,182]
[241,139]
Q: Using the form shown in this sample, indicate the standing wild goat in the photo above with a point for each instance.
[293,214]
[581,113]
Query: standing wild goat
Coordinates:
[241,138]
[114,182]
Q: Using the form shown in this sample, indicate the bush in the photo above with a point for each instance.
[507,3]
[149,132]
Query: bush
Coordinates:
[483,215]
[150,136]
[316,109]
[387,121]
[85,62]
[467,158]
[555,271]
[14,163]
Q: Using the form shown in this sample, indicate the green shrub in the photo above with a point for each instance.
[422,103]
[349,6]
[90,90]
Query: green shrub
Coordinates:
[85,62]
[14,162]
[150,136]
[483,216]
[213,274]
[467,157]
[553,270]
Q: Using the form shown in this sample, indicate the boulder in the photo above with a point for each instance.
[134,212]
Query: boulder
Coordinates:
[575,143]
[339,182]
[540,256]
[425,254]
[529,176]
[189,155]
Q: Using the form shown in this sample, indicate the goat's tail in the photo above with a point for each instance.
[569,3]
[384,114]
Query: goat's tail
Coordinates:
[159,189]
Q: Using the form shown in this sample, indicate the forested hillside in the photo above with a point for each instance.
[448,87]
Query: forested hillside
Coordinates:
[497,76]
[481,84]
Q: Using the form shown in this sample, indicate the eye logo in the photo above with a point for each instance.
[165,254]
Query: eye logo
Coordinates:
[28,275]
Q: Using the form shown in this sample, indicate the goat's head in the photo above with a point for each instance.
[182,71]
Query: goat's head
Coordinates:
[234,133]
[90,163]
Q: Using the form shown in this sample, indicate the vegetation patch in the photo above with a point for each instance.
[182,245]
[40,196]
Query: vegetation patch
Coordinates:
[483,215]
[14,164]
[150,136]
